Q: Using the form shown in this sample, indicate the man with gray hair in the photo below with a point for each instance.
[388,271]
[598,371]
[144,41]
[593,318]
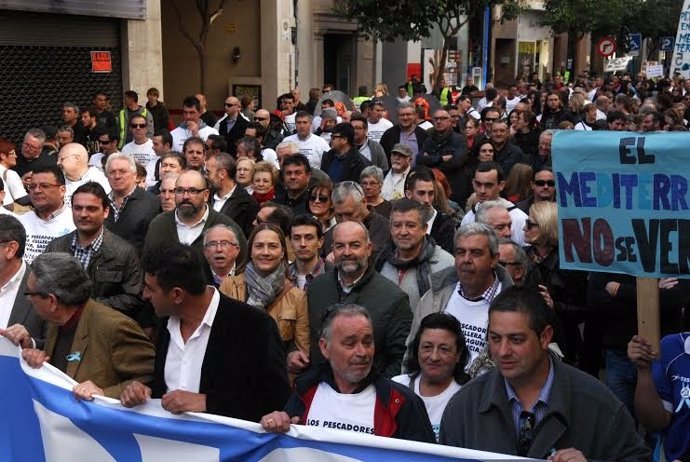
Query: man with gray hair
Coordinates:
[495,215]
[221,249]
[98,347]
[467,289]
[514,259]
[131,208]
[354,280]
[312,146]
[349,204]
[33,155]
[382,407]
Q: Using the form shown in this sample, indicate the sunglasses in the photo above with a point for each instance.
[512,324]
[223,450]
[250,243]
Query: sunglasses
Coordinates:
[318,198]
[260,119]
[137,125]
[549,183]
[529,224]
[490,120]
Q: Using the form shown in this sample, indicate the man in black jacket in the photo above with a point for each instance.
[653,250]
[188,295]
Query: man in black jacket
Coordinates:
[344,161]
[405,132]
[229,198]
[238,368]
[131,208]
[111,262]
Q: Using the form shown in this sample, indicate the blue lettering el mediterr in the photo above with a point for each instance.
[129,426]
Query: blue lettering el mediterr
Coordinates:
[629,191]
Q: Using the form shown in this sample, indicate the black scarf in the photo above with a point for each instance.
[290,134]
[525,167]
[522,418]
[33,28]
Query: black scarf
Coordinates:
[420,262]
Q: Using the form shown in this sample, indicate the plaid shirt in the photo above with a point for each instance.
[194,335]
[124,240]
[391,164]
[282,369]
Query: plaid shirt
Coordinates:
[84,254]
[319,269]
[117,211]
[488,294]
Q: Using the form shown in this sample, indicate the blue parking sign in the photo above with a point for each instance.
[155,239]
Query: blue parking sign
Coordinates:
[666,44]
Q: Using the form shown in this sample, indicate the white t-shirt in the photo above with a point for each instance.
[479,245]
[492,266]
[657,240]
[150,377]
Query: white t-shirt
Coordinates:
[14,188]
[290,122]
[142,153]
[376,130]
[180,135]
[92,174]
[341,411]
[96,160]
[435,405]
[40,232]
[312,148]
[270,155]
[474,321]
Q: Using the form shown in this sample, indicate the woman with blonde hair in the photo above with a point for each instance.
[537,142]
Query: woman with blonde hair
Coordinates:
[562,289]
[243,175]
[264,179]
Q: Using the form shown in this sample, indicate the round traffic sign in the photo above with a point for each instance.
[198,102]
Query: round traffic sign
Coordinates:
[606,46]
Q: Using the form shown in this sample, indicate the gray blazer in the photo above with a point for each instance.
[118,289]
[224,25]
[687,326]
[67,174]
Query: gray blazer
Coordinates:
[24,314]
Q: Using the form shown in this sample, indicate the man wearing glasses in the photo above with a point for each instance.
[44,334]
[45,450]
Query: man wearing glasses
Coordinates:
[221,250]
[543,189]
[51,217]
[107,145]
[532,404]
[141,147]
[191,217]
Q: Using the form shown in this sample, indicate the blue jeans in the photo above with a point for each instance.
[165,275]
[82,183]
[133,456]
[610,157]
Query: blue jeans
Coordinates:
[621,377]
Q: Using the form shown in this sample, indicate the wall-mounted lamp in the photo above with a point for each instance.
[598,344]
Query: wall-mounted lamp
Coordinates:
[236,55]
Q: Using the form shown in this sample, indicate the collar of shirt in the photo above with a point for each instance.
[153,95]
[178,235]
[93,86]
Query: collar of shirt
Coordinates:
[219,278]
[55,213]
[225,197]
[111,196]
[540,407]
[14,280]
[174,322]
[318,269]
[348,287]
[201,220]
[430,221]
[488,294]
[94,245]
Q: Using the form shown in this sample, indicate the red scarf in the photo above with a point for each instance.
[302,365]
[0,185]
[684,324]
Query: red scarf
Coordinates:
[261,198]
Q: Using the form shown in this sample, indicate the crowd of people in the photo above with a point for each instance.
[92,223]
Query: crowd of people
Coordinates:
[342,270]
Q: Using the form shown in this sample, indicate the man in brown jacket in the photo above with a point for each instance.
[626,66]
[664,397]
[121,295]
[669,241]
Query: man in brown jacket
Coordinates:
[97,346]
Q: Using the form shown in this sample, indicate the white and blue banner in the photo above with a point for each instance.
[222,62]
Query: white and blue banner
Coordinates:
[623,202]
[40,419]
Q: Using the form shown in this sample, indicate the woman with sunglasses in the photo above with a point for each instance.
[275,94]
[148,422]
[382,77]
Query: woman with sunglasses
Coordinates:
[436,364]
[265,285]
[563,290]
[320,205]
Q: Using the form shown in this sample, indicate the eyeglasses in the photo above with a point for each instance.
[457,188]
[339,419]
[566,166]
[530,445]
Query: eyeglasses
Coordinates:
[190,191]
[105,141]
[529,224]
[526,433]
[508,263]
[221,244]
[333,137]
[137,125]
[318,198]
[42,186]
[549,183]
[36,294]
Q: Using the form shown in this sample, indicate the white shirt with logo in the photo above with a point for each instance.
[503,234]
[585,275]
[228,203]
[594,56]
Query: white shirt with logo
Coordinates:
[341,411]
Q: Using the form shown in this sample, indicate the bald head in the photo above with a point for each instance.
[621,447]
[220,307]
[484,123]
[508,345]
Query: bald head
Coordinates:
[73,160]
